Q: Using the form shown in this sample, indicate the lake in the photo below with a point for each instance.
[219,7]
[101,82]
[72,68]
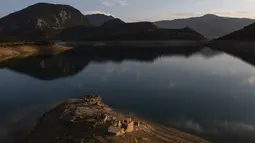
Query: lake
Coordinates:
[197,90]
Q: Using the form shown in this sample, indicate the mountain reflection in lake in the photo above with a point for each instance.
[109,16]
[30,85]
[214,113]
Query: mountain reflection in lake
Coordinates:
[198,90]
[72,62]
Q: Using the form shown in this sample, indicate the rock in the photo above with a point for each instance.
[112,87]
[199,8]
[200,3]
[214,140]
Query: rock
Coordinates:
[83,112]
[145,139]
[130,127]
[105,118]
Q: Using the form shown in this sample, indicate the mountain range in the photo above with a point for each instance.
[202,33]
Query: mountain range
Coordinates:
[41,20]
[210,26]
[57,22]
[117,30]
[98,19]
[245,34]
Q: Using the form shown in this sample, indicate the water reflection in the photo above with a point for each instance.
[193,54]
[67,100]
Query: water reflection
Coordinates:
[72,62]
[219,131]
[242,50]
[48,68]
[195,89]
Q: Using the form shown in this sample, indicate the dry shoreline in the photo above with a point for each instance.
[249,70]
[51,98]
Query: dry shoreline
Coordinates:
[140,43]
[80,121]
[26,49]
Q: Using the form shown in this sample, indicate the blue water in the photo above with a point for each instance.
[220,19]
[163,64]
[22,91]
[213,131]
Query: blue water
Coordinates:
[208,95]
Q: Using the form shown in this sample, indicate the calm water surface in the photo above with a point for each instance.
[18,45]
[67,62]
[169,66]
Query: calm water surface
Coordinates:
[208,93]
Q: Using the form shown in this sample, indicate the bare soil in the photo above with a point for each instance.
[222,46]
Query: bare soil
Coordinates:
[22,50]
[80,121]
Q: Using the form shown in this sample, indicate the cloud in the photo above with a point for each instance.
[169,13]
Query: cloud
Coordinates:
[115,3]
[96,12]
[250,80]
[110,70]
[234,127]
[104,78]
[216,127]
[172,85]
[239,14]
[107,3]
[138,76]
[122,2]
[189,125]
[184,14]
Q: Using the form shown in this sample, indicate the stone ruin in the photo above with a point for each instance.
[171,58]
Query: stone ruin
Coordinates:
[120,127]
[91,109]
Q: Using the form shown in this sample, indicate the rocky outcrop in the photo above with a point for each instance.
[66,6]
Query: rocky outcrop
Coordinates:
[82,120]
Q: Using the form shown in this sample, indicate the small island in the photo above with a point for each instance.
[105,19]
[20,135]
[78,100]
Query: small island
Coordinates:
[89,120]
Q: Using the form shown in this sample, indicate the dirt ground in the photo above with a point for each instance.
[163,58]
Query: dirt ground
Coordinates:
[80,121]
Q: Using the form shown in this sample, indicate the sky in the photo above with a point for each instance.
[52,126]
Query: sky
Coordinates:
[146,10]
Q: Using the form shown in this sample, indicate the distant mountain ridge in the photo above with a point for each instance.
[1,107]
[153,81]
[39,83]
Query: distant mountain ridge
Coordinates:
[41,20]
[44,21]
[98,19]
[211,26]
[245,34]
[117,30]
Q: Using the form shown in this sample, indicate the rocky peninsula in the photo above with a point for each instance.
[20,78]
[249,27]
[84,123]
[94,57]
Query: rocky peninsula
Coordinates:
[10,50]
[89,120]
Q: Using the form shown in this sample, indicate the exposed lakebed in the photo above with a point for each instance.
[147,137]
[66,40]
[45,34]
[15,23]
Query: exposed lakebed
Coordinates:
[200,91]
